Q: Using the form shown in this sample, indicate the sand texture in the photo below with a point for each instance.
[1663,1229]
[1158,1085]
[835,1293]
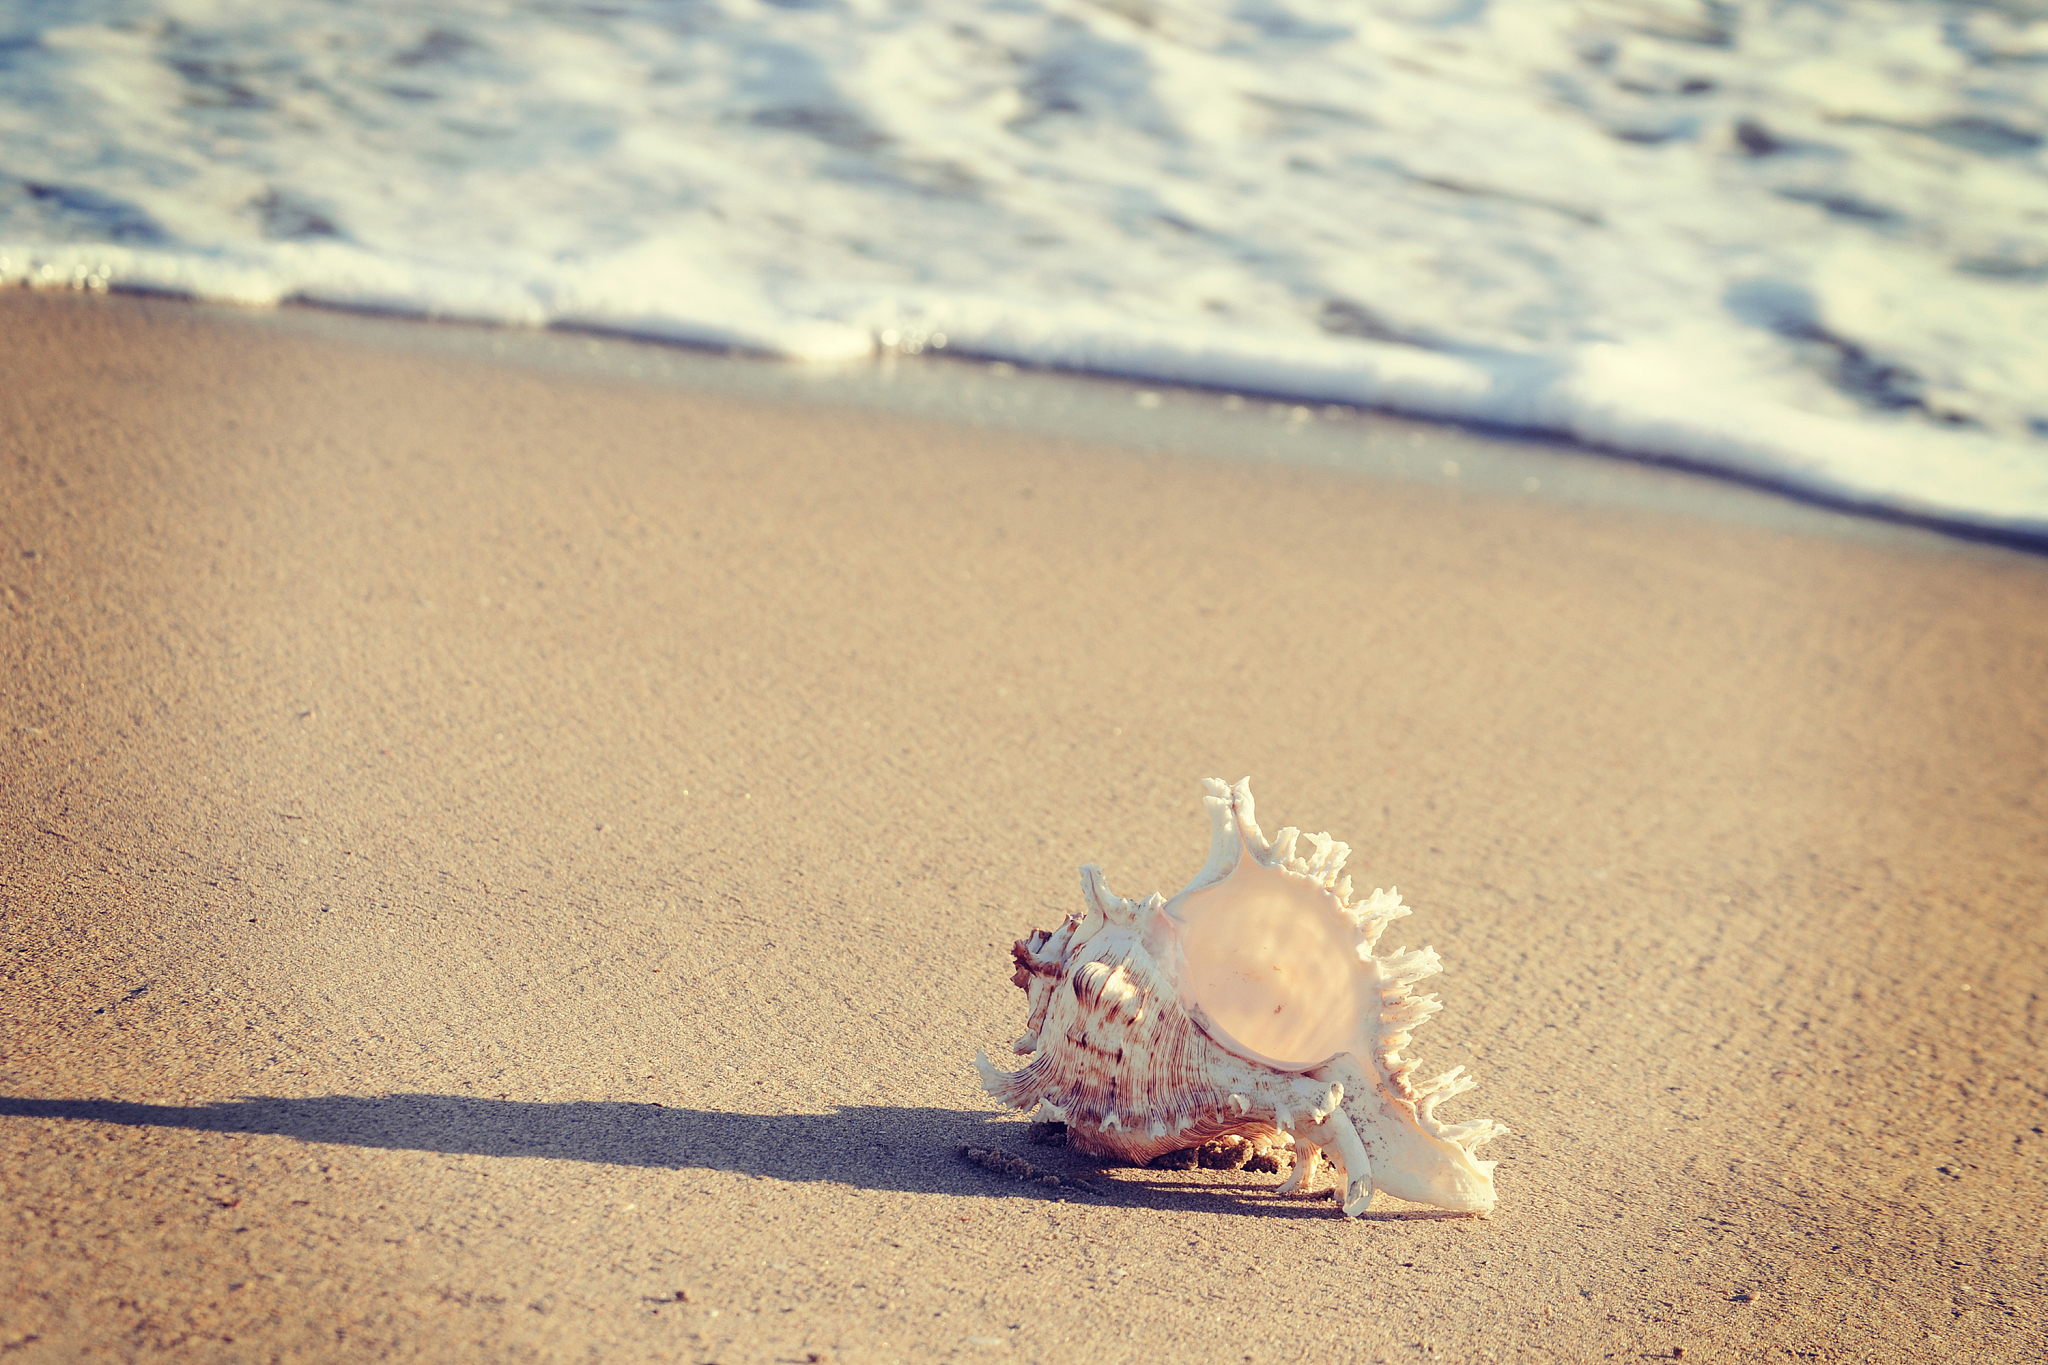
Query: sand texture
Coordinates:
[506,866]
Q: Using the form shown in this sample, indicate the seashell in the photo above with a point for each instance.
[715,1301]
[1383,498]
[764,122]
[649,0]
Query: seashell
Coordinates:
[1251,1005]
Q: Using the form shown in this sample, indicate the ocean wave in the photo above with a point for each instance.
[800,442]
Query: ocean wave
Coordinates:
[1808,244]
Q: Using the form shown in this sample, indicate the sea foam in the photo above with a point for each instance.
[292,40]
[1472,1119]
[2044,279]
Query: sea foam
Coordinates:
[1806,244]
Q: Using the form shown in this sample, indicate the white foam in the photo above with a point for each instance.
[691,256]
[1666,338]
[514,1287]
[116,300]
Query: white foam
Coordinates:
[1808,244]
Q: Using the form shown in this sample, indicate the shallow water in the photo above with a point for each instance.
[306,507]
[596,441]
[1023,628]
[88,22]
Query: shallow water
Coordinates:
[1117,414]
[1804,242]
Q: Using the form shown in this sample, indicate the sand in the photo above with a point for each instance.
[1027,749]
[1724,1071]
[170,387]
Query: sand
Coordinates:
[502,865]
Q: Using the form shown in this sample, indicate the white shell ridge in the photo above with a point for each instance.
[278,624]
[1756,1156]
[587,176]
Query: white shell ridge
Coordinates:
[1252,1003]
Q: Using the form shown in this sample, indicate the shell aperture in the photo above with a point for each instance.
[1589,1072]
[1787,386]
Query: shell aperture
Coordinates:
[1252,1006]
[1272,966]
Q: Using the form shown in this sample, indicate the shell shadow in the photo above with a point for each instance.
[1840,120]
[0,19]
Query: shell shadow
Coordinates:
[875,1147]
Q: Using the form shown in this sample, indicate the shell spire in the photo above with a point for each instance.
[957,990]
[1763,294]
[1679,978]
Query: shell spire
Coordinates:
[1251,1004]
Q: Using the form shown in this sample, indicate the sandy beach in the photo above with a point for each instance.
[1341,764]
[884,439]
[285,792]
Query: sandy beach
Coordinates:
[510,866]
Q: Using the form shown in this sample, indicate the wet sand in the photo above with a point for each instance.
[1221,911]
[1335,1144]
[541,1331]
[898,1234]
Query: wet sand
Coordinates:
[499,865]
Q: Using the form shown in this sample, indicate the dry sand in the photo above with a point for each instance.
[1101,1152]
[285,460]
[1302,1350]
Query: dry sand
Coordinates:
[503,866]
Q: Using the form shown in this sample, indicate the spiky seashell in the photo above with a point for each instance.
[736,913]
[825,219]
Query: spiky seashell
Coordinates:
[1251,1005]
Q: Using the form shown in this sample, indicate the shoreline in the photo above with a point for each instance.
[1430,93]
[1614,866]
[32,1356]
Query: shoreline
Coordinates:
[1178,418]
[505,860]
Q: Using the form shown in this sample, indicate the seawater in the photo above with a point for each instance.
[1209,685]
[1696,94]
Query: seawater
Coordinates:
[1804,242]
